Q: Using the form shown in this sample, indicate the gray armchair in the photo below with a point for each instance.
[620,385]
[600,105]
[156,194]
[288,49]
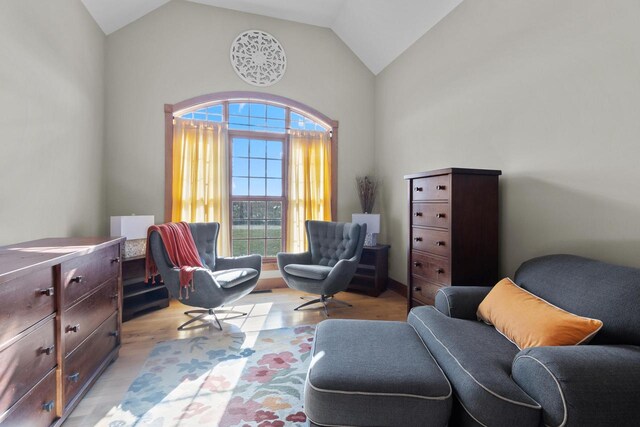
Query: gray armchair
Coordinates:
[221,282]
[329,264]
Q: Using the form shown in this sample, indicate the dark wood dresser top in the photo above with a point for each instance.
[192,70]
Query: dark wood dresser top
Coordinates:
[447,171]
[20,258]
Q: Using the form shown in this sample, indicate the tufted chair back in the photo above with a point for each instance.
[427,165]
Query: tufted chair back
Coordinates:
[329,242]
[205,235]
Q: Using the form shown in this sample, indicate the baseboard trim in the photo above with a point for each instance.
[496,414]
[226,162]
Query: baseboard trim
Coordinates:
[397,287]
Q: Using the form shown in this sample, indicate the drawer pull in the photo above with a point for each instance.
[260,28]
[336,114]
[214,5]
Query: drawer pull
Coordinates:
[417,289]
[48,351]
[114,334]
[417,214]
[417,264]
[440,243]
[77,279]
[74,377]
[49,406]
[418,188]
[116,260]
[439,271]
[48,292]
[440,215]
[417,239]
[74,328]
[441,187]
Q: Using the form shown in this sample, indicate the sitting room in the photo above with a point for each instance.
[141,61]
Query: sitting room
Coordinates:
[265,213]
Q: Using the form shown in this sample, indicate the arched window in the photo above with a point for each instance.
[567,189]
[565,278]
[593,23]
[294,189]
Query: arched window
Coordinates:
[256,163]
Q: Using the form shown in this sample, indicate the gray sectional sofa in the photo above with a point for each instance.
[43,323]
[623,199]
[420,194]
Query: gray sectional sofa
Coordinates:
[496,384]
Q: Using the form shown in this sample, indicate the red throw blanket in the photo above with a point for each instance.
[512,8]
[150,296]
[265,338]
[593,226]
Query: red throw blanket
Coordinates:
[181,248]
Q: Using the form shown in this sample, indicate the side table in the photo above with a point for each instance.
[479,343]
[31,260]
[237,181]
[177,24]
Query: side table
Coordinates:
[140,295]
[373,271]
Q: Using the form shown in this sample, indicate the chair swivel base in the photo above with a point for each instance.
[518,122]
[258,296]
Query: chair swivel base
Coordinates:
[324,299]
[203,318]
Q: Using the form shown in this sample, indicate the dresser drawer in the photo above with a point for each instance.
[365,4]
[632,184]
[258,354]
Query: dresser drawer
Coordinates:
[84,317]
[430,214]
[424,291]
[433,241]
[85,273]
[37,407]
[432,188]
[431,268]
[25,362]
[82,363]
[25,301]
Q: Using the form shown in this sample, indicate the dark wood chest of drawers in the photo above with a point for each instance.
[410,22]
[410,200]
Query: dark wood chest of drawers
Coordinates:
[60,311]
[453,231]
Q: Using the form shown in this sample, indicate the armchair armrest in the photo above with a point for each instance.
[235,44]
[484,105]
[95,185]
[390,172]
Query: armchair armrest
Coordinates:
[340,275]
[248,261]
[286,258]
[460,302]
[586,385]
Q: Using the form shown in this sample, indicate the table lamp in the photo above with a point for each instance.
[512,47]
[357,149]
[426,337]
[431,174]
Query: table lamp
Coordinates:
[134,228]
[373,226]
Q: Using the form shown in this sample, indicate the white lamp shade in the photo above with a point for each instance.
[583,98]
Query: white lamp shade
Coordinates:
[372,221]
[132,226]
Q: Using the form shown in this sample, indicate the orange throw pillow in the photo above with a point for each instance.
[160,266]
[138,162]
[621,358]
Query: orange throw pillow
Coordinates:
[529,321]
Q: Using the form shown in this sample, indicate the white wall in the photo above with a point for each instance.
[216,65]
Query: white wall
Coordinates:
[51,116]
[181,50]
[547,91]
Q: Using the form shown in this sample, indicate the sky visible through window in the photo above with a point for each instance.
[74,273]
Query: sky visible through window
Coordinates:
[259,117]
[256,167]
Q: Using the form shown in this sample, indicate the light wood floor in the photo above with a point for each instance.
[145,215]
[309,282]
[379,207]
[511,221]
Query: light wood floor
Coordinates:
[266,311]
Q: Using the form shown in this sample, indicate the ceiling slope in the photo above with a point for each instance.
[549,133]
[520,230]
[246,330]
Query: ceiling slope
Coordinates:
[111,15]
[377,31]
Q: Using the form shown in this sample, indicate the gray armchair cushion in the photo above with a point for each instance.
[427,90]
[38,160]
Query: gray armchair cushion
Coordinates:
[230,278]
[315,272]
[461,302]
[582,386]
[329,242]
[477,361]
[588,288]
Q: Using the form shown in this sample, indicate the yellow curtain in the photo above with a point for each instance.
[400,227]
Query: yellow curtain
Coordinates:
[309,195]
[200,176]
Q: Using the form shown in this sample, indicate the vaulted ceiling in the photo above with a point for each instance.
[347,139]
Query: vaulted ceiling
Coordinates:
[377,31]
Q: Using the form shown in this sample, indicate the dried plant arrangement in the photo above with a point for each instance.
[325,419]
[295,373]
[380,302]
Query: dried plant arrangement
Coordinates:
[367,188]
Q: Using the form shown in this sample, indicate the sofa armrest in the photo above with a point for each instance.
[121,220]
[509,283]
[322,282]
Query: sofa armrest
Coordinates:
[460,302]
[248,261]
[586,385]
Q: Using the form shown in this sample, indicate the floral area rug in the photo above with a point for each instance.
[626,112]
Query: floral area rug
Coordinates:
[231,379]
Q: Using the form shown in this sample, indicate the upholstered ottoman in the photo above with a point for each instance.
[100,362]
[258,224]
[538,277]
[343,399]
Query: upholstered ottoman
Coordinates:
[374,373]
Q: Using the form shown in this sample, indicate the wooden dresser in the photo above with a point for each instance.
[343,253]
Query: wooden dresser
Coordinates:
[60,312]
[453,232]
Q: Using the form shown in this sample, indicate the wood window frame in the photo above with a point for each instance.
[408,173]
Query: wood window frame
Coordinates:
[171,110]
[284,138]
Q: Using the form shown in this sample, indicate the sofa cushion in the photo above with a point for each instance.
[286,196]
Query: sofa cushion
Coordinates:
[230,278]
[384,376]
[477,361]
[588,288]
[529,321]
[314,272]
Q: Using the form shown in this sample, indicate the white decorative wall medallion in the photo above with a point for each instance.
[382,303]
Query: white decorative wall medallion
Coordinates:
[258,58]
